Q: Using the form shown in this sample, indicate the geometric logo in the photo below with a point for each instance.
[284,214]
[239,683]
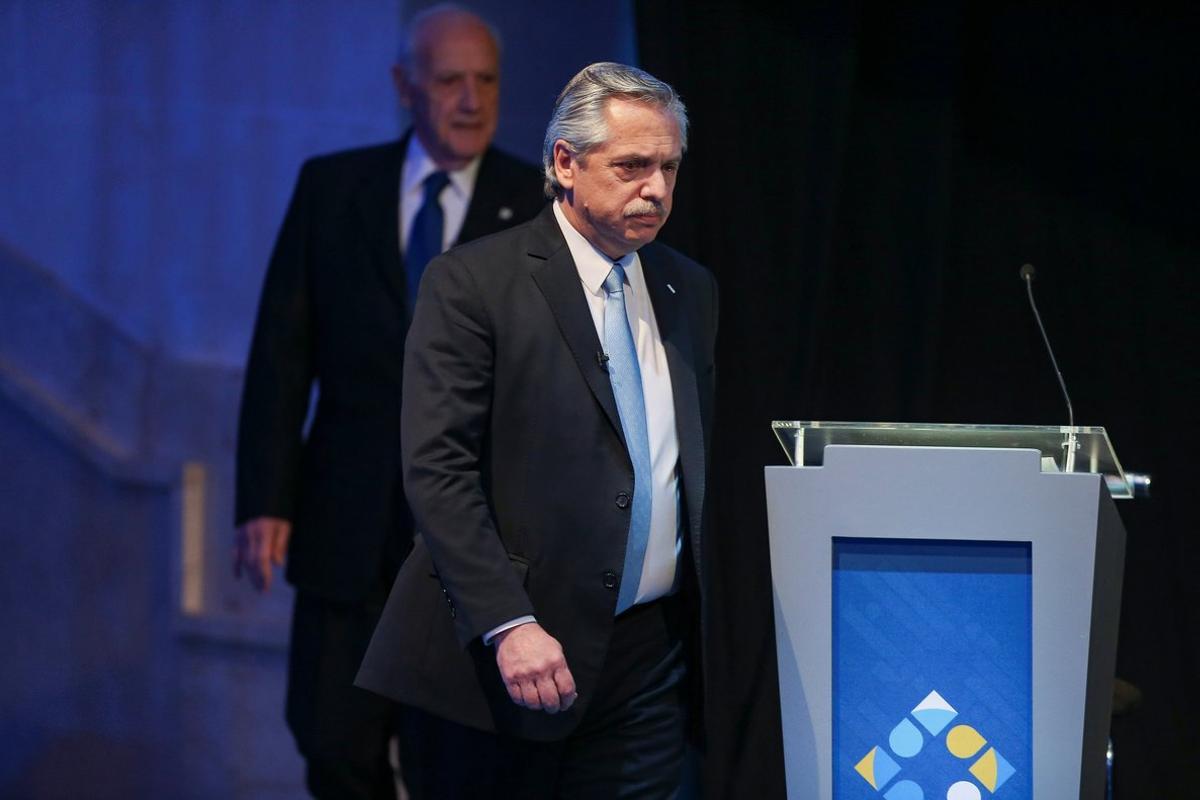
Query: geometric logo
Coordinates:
[932,715]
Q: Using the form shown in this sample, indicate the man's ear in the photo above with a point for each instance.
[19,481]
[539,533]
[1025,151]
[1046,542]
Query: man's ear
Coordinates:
[565,164]
[400,80]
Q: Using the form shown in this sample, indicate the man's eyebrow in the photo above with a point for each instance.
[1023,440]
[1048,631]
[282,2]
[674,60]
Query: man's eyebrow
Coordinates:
[644,157]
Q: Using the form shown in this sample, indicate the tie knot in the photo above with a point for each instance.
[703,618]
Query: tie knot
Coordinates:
[434,183]
[614,283]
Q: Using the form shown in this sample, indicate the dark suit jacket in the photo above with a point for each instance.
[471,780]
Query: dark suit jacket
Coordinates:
[517,472]
[333,311]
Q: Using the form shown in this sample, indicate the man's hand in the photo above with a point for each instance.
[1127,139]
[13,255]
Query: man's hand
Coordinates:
[533,668]
[261,542]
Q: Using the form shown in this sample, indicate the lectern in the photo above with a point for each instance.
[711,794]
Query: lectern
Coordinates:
[946,608]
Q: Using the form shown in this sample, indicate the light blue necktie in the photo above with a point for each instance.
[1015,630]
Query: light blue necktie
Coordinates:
[626,379]
[425,238]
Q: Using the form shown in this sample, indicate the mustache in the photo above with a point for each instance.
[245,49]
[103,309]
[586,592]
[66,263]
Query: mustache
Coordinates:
[641,207]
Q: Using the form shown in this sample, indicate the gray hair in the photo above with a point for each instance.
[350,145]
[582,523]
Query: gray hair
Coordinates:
[416,27]
[578,117]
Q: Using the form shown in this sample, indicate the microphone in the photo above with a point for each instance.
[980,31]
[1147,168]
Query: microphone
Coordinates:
[602,359]
[1027,273]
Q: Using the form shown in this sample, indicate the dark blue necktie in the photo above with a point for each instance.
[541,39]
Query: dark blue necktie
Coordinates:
[626,378]
[425,239]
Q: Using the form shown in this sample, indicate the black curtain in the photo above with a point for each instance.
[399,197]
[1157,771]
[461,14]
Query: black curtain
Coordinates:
[866,181]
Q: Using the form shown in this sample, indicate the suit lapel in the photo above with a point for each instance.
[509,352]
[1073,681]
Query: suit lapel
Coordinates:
[377,203]
[485,212]
[558,280]
[681,363]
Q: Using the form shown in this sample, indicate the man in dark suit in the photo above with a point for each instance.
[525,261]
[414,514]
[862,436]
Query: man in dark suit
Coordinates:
[558,395]
[335,306]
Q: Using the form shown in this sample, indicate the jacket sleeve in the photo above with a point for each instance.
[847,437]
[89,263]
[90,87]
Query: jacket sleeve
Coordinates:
[279,373]
[446,412]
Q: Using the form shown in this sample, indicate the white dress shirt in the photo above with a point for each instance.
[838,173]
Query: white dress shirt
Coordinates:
[454,199]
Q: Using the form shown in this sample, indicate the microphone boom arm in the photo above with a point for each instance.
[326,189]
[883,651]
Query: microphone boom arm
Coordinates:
[1071,444]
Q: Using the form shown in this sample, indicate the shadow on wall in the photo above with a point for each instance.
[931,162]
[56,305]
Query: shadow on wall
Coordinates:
[113,684]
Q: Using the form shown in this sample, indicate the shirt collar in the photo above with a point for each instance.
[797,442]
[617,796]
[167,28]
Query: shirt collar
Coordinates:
[418,166]
[593,266]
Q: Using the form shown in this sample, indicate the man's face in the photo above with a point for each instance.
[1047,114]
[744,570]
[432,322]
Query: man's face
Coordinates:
[618,195]
[453,91]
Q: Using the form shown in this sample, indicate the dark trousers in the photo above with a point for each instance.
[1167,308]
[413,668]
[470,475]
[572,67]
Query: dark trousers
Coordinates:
[630,743]
[342,731]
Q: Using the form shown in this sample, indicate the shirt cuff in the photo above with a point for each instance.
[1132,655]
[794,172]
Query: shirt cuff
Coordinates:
[499,629]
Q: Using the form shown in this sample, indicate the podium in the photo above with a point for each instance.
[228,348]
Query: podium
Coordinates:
[946,608]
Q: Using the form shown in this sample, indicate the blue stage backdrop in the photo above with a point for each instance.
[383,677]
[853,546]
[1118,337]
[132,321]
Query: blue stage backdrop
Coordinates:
[932,669]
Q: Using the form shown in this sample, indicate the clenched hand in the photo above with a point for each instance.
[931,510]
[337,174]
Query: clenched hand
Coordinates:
[534,669]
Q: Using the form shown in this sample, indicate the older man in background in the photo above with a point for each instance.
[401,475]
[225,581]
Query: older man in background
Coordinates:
[335,308]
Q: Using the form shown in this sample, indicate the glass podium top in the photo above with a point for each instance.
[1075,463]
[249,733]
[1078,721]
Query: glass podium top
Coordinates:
[1063,448]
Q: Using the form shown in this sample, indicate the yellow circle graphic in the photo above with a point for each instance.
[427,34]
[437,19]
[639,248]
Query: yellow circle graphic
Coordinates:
[964,741]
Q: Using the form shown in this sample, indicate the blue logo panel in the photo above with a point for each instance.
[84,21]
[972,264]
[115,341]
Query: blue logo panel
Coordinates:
[932,669]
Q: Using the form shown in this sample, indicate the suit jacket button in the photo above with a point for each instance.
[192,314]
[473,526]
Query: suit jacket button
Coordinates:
[610,579]
[623,500]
